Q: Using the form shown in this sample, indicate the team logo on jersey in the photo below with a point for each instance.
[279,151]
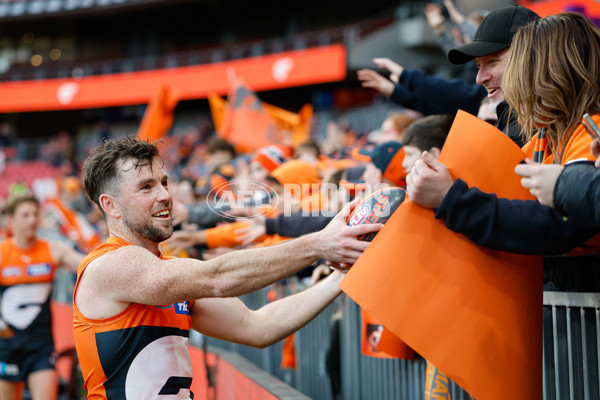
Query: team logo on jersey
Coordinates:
[182,308]
[39,269]
[11,271]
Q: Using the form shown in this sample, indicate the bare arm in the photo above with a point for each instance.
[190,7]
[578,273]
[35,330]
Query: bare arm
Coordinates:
[132,274]
[229,319]
[65,256]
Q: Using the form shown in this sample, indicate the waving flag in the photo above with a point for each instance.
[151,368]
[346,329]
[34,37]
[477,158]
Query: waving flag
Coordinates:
[158,117]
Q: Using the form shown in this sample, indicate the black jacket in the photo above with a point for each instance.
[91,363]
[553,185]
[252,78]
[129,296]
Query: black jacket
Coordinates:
[524,227]
[517,226]
[577,193]
[431,94]
[296,224]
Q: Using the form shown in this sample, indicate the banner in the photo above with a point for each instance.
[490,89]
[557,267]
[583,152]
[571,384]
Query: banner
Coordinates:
[274,71]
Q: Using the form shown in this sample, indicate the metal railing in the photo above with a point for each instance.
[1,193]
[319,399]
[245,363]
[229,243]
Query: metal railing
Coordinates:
[571,352]
[571,346]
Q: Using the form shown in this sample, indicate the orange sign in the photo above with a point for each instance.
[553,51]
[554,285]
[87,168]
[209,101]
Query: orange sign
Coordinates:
[590,8]
[274,71]
[473,312]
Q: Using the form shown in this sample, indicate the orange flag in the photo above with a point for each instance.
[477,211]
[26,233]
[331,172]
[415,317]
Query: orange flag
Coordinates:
[298,125]
[217,106]
[74,226]
[245,122]
[158,116]
[473,312]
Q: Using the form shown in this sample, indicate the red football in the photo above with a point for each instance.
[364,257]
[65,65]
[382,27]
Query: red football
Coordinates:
[376,209]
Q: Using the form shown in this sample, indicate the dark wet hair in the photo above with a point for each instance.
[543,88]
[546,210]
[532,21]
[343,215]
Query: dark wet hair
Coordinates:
[100,169]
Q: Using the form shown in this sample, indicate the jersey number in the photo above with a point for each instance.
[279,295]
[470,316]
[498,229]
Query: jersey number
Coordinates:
[161,370]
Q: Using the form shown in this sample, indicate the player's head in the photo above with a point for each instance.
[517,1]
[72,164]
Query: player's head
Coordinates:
[23,214]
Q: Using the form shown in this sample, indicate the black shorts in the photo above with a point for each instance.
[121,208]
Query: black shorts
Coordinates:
[19,363]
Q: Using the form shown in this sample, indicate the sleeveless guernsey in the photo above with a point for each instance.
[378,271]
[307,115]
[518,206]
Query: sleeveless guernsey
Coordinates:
[140,353]
[26,277]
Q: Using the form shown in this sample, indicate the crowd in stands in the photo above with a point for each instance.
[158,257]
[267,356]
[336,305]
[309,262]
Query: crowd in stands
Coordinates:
[226,201]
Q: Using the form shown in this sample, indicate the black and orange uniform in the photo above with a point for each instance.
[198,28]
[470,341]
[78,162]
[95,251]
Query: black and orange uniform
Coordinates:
[26,277]
[140,353]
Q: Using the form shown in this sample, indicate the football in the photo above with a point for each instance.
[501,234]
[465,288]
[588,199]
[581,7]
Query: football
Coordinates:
[376,209]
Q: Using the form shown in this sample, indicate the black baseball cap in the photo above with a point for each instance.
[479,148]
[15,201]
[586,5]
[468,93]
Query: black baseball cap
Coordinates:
[495,33]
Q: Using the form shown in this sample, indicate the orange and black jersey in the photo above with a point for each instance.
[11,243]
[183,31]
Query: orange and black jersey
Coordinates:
[140,353]
[26,277]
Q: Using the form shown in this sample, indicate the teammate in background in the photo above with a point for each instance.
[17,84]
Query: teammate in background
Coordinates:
[134,308]
[27,266]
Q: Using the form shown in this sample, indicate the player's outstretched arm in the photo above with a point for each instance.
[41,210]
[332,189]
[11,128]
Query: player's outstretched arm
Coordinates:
[133,274]
[229,319]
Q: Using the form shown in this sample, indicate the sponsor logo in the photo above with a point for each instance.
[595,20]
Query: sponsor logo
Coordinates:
[282,68]
[8,369]
[39,270]
[182,308]
[66,92]
[11,271]
[360,215]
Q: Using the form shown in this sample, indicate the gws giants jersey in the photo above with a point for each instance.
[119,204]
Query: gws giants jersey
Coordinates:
[140,353]
[26,277]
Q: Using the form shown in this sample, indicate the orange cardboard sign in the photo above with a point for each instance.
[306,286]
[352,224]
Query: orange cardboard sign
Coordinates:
[473,312]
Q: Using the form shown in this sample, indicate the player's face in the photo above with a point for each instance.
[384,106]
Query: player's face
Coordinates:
[25,220]
[146,202]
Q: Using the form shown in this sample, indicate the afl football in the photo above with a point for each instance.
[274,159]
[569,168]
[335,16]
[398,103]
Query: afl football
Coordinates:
[376,208]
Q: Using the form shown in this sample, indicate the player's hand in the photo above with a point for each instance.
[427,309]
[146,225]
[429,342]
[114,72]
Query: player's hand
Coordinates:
[338,242]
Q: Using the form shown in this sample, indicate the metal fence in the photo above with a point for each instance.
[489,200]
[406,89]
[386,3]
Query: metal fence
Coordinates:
[360,377]
[571,354]
[571,346]
[571,365]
